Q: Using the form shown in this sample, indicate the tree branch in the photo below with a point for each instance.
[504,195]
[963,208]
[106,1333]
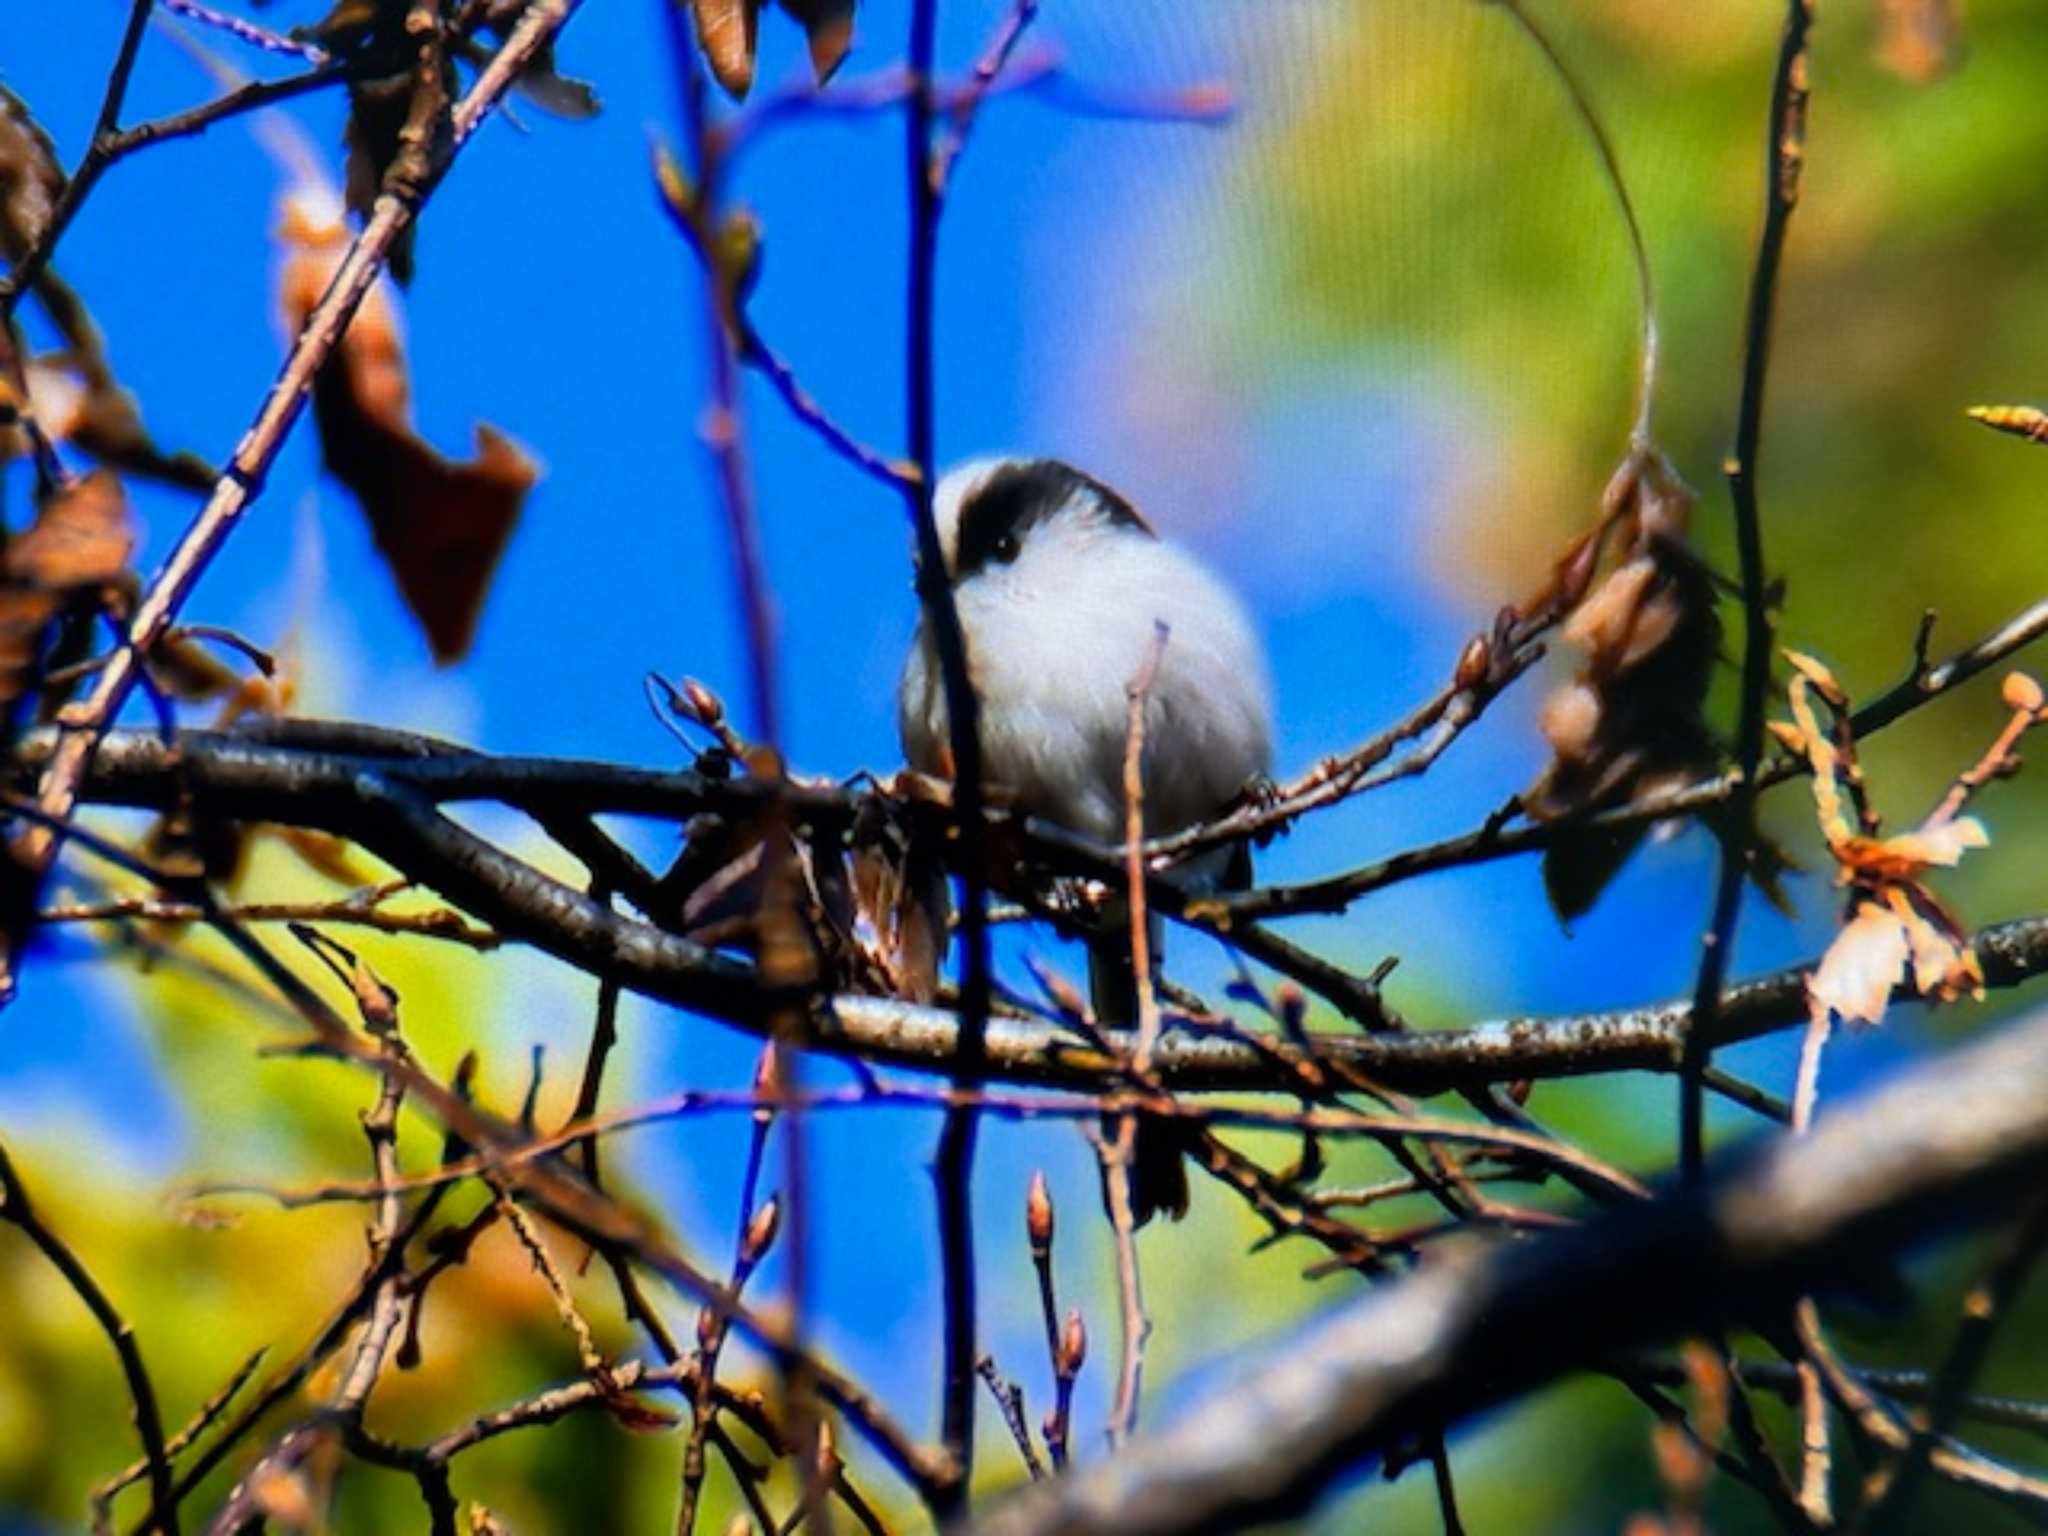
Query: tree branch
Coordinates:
[1470,1331]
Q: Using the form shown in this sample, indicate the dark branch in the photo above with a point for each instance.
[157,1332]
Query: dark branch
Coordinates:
[1763,1227]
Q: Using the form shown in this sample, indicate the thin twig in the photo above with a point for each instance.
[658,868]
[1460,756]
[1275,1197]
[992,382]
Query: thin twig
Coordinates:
[1784,159]
[1984,1309]
[1010,1402]
[1116,1148]
[102,1501]
[953,1166]
[17,1211]
[361,909]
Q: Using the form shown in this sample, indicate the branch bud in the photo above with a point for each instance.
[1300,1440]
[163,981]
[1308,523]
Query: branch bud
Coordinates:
[703,702]
[2021,693]
[1474,664]
[767,1080]
[1038,1222]
[761,1230]
[1073,1346]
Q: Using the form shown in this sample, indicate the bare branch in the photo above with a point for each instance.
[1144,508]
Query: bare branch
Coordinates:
[1472,1330]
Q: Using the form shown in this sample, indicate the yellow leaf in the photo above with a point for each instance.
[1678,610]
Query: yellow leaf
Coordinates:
[2025,421]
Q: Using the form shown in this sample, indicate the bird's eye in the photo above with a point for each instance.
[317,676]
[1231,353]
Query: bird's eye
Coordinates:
[1005,549]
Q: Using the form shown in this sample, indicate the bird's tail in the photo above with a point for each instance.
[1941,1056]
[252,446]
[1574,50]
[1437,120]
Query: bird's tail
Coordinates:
[1158,1171]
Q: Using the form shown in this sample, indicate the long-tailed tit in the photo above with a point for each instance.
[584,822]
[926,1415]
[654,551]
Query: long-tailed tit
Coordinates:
[1062,588]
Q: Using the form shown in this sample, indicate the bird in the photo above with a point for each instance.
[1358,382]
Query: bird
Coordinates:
[1063,592]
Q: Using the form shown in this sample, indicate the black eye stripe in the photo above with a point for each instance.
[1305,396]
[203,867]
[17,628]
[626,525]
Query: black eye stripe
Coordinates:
[996,518]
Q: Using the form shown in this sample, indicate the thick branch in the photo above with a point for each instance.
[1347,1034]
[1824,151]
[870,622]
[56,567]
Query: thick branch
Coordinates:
[387,805]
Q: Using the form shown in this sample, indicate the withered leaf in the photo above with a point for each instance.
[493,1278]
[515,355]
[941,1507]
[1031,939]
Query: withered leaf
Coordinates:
[828,28]
[1917,40]
[900,912]
[726,31]
[637,1414]
[550,90]
[1865,962]
[187,670]
[31,179]
[1629,725]
[441,526]
[1581,864]
[78,545]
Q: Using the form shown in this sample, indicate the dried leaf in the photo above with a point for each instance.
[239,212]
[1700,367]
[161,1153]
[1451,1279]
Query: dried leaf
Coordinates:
[31,177]
[726,33]
[1917,40]
[76,548]
[637,1415]
[441,526]
[1945,964]
[1867,959]
[552,91]
[1580,865]
[1911,854]
[900,921]
[1630,723]
[1822,679]
[828,27]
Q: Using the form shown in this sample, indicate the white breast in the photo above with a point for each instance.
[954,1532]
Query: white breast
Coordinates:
[1053,642]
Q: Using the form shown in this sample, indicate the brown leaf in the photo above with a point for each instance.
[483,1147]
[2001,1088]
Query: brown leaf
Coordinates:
[1817,674]
[31,178]
[1911,854]
[1629,724]
[77,546]
[900,921]
[726,31]
[1917,40]
[441,526]
[1582,864]
[187,670]
[828,26]
[1945,964]
[637,1414]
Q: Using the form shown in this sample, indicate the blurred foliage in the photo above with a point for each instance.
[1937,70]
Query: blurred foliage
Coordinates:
[1432,204]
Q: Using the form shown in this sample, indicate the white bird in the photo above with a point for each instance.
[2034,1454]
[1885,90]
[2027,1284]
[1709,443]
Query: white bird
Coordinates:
[1062,588]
